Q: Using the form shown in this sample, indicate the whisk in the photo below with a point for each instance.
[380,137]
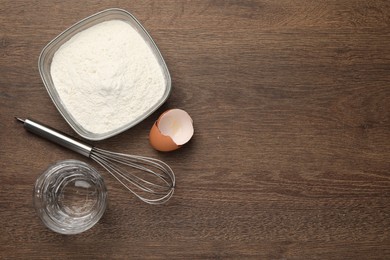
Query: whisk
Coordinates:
[154,183]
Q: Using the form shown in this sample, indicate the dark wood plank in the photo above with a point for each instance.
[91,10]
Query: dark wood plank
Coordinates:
[290,159]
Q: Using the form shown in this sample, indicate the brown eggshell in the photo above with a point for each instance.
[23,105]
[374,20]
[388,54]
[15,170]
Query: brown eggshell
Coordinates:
[161,142]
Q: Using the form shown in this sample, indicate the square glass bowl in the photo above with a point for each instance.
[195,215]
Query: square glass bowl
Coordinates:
[46,57]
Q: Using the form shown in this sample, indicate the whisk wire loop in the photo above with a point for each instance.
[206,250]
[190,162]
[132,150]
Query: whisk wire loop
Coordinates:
[155,192]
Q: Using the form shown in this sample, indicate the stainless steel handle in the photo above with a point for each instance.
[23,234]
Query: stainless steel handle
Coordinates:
[56,137]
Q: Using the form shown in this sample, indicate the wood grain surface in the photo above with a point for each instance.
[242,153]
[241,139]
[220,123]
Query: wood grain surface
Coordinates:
[291,153]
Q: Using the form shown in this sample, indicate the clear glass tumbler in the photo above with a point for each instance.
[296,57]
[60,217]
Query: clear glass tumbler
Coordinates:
[70,197]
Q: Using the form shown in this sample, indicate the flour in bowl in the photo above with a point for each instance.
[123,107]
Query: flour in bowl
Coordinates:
[107,76]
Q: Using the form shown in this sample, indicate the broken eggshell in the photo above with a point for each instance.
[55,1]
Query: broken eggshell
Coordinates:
[172,129]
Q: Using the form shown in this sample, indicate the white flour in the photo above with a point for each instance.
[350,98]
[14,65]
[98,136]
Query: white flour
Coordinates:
[107,76]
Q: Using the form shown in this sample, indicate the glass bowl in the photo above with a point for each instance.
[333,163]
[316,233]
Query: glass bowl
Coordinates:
[46,57]
[70,197]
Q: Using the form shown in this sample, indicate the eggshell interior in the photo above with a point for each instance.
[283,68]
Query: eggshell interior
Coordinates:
[177,124]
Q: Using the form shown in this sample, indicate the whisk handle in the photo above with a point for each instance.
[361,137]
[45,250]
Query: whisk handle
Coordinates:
[56,137]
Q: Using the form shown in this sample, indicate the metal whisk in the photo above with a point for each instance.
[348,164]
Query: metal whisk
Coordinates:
[154,183]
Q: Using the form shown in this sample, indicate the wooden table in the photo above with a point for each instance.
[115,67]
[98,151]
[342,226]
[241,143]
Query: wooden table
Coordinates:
[291,155]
